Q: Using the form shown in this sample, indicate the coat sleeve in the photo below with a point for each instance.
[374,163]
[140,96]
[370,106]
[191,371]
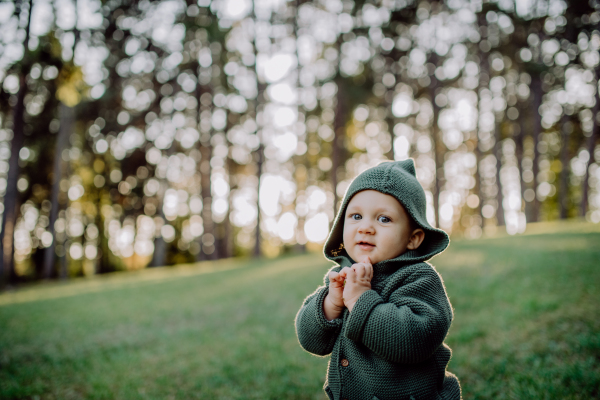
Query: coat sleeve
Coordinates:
[410,326]
[315,333]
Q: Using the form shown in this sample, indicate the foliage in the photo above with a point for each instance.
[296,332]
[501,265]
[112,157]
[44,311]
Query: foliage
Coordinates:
[158,133]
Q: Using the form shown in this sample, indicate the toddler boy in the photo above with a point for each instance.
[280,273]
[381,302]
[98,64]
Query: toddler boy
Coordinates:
[383,313]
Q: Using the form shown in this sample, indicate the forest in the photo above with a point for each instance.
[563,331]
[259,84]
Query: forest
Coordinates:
[146,133]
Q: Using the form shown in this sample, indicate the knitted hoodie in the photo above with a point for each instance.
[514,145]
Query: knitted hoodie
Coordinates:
[391,346]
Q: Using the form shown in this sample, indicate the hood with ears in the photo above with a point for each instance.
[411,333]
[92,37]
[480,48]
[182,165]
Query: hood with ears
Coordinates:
[398,179]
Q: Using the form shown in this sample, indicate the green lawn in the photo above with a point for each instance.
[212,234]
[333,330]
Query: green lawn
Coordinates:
[526,326]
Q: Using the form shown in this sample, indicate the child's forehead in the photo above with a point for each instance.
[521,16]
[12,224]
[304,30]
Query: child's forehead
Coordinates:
[373,199]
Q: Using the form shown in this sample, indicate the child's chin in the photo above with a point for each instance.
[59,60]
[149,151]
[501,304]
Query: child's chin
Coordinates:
[373,258]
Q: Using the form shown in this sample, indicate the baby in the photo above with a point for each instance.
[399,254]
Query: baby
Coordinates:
[383,313]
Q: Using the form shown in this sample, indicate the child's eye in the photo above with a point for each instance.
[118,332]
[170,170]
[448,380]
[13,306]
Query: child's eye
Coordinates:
[383,219]
[356,217]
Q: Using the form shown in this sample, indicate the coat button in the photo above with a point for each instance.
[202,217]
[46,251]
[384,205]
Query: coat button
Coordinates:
[345,363]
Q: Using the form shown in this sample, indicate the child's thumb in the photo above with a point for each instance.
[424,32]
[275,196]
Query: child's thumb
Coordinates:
[366,260]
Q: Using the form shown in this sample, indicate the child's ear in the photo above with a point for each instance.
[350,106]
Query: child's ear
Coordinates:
[416,238]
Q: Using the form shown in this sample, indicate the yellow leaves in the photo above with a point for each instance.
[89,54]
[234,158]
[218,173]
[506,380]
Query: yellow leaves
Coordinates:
[90,209]
[87,176]
[70,85]
[55,46]
[556,166]
[301,173]
[98,166]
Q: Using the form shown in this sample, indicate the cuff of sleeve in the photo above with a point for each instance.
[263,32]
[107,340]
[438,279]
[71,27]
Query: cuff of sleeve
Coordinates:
[321,319]
[357,319]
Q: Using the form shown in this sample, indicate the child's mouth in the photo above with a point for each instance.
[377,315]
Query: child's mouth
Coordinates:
[365,246]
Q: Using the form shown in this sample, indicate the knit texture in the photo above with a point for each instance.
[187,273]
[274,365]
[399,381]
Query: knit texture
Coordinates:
[391,345]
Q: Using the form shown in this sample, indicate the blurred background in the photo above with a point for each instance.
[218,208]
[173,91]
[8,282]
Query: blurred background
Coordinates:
[218,137]
[146,133]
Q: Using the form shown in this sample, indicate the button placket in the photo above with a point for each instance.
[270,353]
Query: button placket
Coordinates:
[344,363]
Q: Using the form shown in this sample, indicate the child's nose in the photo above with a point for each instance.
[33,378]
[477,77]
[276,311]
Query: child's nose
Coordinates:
[366,227]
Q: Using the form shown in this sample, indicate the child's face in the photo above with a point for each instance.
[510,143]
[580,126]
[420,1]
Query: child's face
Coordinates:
[377,225]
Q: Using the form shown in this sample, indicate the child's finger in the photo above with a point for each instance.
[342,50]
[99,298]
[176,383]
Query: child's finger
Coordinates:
[360,270]
[370,272]
[334,276]
[350,274]
[344,272]
[366,260]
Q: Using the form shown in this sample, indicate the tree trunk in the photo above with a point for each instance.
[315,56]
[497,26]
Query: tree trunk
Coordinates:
[10,198]
[205,185]
[337,144]
[207,220]
[103,264]
[9,218]
[536,89]
[563,193]
[390,118]
[437,150]
[160,253]
[260,159]
[518,137]
[159,257]
[67,119]
[590,146]
[498,153]
[260,156]
[479,193]
[66,127]
[390,123]
[226,239]
[302,184]
[483,84]
[229,232]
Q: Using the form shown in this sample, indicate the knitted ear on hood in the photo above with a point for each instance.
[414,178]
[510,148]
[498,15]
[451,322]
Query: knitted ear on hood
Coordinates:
[398,179]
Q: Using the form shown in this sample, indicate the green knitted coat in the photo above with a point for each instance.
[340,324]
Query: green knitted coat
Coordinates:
[391,346]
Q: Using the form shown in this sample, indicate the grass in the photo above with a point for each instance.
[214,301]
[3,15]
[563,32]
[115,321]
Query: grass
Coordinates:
[526,326]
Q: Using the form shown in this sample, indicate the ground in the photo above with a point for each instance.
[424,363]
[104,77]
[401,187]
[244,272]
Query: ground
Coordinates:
[526,326]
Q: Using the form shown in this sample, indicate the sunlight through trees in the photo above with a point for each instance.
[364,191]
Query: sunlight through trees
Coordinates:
[139,133]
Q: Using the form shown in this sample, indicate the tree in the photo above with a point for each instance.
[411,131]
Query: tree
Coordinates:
[9,216]
[71,82]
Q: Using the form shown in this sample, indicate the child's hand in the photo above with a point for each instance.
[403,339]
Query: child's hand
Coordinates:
[336,288]
[334,302]
[358,281]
